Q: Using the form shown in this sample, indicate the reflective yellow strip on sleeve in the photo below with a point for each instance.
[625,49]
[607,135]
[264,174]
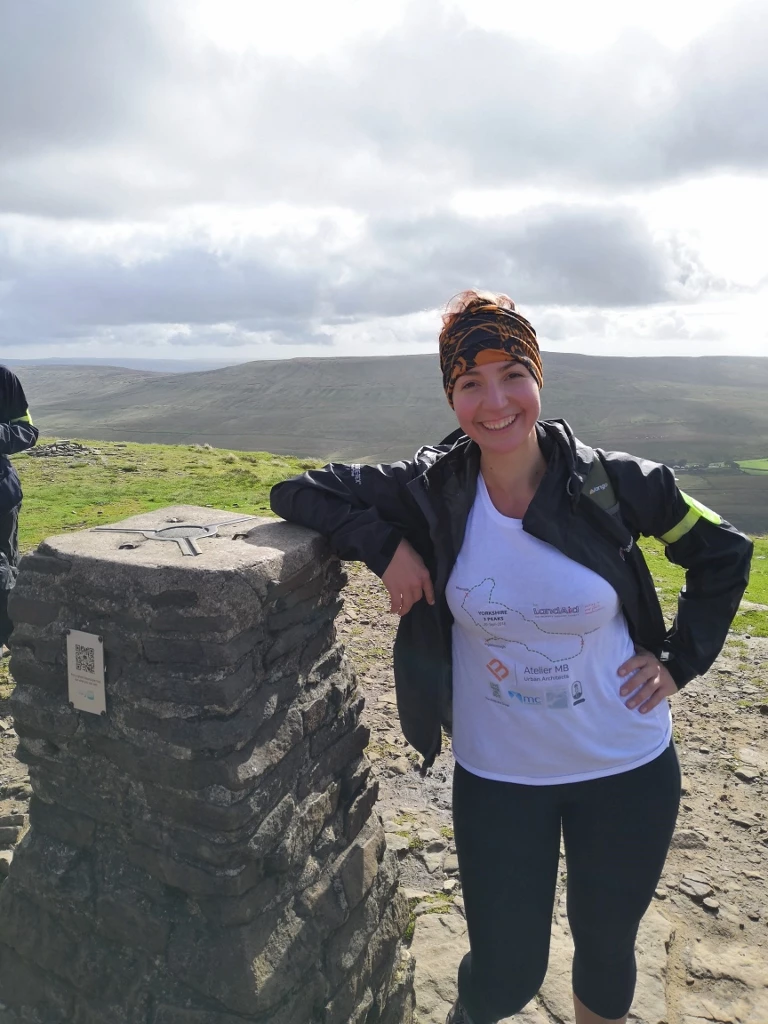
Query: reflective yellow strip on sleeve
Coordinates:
[26,418]
[695,512]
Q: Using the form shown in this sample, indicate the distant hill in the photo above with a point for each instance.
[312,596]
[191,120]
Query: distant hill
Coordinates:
[156,365]
[704,410]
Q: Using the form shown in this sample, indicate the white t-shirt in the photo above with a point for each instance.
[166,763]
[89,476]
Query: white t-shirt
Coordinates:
[537,643]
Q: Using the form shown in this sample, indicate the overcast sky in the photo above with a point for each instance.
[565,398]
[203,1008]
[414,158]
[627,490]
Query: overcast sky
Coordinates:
[236,179]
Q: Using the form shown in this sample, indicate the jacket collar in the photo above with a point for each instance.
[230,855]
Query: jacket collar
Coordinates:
[555,436]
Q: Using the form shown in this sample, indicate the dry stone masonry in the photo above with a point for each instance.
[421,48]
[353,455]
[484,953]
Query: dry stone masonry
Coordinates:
[206,851]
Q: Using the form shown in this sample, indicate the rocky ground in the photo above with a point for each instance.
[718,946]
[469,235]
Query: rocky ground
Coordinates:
[703,948]
[14,781]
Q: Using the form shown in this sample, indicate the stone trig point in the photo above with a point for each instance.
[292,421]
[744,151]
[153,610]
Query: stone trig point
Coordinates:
[204,852]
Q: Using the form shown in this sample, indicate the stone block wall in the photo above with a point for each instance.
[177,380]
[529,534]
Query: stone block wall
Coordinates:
[206,852]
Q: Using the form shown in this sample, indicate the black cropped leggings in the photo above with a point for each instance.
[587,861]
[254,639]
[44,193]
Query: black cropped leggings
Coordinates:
[616,832]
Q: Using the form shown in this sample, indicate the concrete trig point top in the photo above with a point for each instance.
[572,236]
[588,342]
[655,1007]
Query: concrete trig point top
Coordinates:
[267,549]
[185,535]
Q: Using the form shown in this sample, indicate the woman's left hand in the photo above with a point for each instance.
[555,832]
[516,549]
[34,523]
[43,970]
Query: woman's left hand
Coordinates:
[650,683]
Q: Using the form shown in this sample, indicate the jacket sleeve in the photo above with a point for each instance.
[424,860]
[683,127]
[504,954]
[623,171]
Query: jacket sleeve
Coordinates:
[715,555]
[364,511]
[17,432]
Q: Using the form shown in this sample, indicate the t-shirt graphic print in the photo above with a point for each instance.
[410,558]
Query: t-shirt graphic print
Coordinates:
[537,643]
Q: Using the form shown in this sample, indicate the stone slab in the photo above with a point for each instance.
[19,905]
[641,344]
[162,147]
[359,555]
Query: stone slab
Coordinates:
[275,549]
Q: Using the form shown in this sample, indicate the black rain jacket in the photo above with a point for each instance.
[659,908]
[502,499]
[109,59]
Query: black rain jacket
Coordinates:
[365,511]
[17,434]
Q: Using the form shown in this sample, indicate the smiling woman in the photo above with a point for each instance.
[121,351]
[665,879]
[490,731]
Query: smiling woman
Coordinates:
[531,631]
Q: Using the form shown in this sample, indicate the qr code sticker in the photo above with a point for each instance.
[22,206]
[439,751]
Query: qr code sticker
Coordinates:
[85,659]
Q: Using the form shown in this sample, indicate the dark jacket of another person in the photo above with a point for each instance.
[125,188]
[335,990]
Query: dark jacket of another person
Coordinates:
[17,434]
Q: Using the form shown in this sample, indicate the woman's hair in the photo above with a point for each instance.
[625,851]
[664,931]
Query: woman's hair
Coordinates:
[470,300]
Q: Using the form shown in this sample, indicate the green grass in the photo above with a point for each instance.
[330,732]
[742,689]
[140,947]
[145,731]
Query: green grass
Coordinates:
[754,465]
[669,578]
[64,494]
[406,818]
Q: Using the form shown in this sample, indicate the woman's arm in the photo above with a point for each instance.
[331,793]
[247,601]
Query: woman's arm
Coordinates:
[715,555]
[365,511]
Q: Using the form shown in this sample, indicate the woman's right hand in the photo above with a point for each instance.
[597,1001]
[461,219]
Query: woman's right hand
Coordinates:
[407,579]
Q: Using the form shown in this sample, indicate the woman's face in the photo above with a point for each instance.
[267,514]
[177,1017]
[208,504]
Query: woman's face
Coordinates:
[497,405]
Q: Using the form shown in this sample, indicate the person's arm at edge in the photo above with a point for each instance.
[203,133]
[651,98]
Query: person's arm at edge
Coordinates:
[17,433]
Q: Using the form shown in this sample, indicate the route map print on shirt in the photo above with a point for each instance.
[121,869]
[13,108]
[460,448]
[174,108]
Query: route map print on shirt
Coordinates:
[542,639]
[498,620]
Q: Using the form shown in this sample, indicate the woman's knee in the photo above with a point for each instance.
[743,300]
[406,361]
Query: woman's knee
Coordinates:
[604,944]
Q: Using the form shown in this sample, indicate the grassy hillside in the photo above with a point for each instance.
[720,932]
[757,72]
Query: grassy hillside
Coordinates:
[155,365]
[382,408]
[64,494]
[707,410]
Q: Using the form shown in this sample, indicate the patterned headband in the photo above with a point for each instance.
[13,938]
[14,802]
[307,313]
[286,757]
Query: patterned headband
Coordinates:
[499,334]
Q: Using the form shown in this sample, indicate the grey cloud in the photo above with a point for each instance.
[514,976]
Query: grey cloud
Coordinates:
[73,74]
[554,325]
[574,324]
[580,256]
[184,286]
[720,119]
[592,257]
[503,110]
[557,255]
[244,333]
[115,113]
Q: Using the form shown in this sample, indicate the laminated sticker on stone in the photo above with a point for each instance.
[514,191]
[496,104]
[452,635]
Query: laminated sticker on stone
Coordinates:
[85,671]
